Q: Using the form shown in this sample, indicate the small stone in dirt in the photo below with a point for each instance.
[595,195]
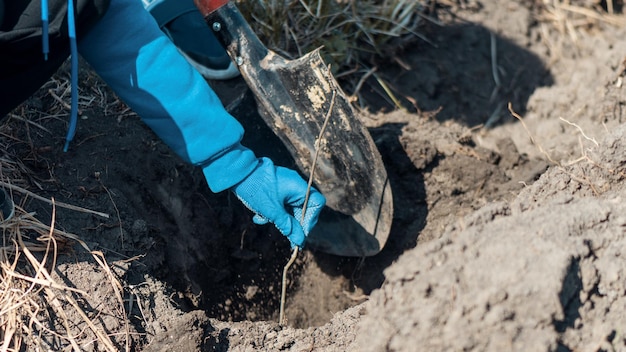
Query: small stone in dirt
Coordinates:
[251,291]
[244,254]
[510,156]
[139,228]
[120,267]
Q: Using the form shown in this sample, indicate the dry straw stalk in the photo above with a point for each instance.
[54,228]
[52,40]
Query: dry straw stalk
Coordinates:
[350,31]
[35,308]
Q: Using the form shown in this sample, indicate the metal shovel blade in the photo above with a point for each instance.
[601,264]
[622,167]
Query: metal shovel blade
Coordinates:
[295,98]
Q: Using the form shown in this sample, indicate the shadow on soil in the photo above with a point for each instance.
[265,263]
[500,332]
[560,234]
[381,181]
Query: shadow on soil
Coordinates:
[410,211]
[570,297]
[469,73]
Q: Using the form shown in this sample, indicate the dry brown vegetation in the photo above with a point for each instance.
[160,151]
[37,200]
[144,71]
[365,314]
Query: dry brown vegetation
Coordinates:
[37,308]
[351,32]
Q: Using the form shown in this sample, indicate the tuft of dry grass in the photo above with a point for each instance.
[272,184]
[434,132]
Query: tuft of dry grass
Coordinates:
[38,311]
[352,33]
[568,18]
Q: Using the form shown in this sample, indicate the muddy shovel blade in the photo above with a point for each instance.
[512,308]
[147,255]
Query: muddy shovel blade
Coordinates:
[295,98]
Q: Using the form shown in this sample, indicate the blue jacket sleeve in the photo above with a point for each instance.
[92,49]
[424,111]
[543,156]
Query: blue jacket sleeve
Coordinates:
[128,50]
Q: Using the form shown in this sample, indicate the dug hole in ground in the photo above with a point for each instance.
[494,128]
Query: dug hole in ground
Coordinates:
[509,197]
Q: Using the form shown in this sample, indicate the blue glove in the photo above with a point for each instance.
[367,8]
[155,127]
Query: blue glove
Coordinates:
[276,194]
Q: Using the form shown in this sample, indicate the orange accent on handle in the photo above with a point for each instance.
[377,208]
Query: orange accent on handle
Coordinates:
[208,6]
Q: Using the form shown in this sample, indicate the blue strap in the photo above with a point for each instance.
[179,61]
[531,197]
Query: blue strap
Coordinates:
[44,29]
[74,78]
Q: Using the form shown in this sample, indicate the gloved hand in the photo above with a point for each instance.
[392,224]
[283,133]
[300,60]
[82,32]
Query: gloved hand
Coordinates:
[276,194]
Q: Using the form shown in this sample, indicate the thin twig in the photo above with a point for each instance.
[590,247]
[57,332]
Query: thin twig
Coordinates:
[283,290]
[19,118]
[363,79]
[611,19]
[294,254]
[119,218]
[59,204]
[45,283]
[609,7]
[519,118]
[581,131]
[494,60]
[62,102]
[317,153]
[395,100]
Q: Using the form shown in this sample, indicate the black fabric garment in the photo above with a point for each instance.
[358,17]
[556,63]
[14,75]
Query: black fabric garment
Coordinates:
[22,66]
[1,11]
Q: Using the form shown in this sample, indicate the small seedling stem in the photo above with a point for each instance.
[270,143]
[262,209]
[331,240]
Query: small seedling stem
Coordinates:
[294,254]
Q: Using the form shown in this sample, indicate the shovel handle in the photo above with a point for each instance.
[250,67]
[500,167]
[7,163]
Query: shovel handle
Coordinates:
[208,6]
[234,33]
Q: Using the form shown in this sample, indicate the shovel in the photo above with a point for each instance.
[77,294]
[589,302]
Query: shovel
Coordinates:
[295,98]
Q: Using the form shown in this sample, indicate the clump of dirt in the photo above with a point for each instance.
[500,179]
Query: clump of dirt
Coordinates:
[557,251]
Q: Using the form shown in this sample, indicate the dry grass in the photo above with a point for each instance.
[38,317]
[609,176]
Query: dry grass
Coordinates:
[570,18]
[38,309]
[352,33]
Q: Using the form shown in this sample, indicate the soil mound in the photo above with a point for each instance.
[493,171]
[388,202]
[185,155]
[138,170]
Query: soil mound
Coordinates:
[541,273]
